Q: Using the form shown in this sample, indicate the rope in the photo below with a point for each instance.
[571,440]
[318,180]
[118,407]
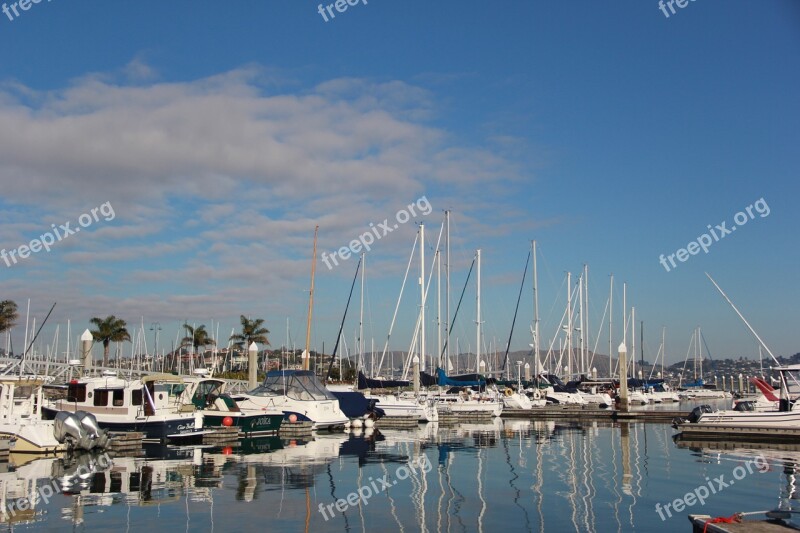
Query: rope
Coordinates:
[734,518]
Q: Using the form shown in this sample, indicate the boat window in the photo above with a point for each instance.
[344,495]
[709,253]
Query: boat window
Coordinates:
[136,397]
[101,397]
[76,392]
[118,397]
[296,386]
[22,391]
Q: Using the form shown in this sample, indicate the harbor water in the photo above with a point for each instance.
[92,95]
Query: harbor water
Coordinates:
[507,475]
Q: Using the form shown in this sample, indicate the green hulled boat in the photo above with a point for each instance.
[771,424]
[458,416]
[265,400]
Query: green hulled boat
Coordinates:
[207,396]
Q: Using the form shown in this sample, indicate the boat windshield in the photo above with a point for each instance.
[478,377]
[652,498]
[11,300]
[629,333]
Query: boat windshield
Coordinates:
[298,386]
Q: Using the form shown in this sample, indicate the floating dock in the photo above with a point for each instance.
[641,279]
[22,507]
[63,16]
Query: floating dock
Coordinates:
[222,435]
[397,422]
[125,442]
[292,429]
[594,413]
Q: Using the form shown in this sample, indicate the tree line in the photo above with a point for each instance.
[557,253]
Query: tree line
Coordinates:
[112,329]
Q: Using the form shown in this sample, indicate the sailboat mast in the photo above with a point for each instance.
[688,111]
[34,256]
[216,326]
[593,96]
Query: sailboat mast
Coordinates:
[535,311]
[641,343]
[633,342]
[361,316]
[582,368]
[439,306]
[478,321]
[663,348]
[569,325]
[422,296]
[447,293]
[307,354]
[610,321]
[586,316]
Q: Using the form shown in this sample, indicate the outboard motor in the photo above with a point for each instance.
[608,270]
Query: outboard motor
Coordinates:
[694,416]
[79,430]
[67,428]
[98,436]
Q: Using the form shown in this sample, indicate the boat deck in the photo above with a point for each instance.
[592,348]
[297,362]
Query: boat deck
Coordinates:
[699,525]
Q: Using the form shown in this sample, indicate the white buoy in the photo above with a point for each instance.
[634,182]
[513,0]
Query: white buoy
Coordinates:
[357,423]
[369,423]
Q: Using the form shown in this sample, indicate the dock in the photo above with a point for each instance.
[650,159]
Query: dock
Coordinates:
[125,442]
[222,436]
[397,422]
[581,412]
[294,429]
[710,432]
[774,523]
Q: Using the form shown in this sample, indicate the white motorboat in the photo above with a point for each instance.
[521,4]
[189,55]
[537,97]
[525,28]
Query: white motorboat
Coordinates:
[21,421]
[150,405]
[295,392]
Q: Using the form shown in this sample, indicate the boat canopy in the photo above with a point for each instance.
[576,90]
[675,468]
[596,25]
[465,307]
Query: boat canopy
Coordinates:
[296,384]
[162,377]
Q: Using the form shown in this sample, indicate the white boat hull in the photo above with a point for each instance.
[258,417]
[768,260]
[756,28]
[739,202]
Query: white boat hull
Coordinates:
[752,419]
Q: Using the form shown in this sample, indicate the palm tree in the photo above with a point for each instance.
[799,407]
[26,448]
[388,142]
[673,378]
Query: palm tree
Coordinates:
[109,329]
[252,331]
[196,337]
[8,315]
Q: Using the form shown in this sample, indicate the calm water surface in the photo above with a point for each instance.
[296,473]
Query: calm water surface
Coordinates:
[510,475]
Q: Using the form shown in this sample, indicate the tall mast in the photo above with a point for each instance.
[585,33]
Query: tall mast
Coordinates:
[641,344]
[586,316]
[633,342]
[447,292]
[610,321]
[422,296]
[361,364]
[700,351]
[439,307]
[663,348]
[535,312]
[478,321]
[582,368]
[569,325]
[306,359]
[625,311]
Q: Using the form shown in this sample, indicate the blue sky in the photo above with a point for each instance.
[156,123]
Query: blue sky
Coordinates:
[222,133]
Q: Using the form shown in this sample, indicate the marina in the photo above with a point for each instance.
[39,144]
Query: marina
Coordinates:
[435,267]
[550,475]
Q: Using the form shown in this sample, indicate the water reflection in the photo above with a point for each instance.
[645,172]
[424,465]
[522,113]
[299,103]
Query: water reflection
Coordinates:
[513,474]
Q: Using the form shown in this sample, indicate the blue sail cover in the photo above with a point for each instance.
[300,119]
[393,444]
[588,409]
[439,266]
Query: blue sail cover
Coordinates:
[445,381]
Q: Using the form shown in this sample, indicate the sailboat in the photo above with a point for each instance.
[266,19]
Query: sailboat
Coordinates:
[697,389]
[298,394]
